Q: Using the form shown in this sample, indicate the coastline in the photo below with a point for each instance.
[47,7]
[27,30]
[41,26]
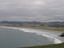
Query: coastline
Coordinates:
[45,33]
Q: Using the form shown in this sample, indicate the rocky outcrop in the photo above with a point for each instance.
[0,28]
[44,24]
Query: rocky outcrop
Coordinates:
[62,35]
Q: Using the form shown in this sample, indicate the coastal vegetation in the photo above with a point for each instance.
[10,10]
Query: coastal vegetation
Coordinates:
[47,46]
[57,26]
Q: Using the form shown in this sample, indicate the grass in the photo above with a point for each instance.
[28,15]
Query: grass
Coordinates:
[47,46]
[41,27]
[46,28]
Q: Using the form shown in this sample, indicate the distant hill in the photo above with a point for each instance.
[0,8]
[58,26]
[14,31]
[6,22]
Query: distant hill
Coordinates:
[16,22]
[53,24]
[46,24]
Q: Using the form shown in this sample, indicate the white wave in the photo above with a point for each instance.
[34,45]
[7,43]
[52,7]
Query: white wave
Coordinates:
[56,41]
[48,35]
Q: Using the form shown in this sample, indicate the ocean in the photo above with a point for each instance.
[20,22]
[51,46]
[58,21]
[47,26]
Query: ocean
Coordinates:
[13,38]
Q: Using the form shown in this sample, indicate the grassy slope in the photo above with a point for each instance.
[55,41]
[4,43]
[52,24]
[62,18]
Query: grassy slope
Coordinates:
[47,28]
[48,46]
[37,27]
[52,28]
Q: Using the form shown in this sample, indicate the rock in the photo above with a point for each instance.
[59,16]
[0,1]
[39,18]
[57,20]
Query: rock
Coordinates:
[62,35]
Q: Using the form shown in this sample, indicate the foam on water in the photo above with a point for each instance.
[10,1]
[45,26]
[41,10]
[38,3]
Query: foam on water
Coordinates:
[46,34]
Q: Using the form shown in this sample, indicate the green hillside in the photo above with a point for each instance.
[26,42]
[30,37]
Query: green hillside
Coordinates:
[48,46]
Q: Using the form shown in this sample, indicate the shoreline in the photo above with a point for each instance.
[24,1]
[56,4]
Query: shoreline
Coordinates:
[45,33]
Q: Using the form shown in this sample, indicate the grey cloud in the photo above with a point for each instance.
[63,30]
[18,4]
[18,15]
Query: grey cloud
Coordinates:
[32,10]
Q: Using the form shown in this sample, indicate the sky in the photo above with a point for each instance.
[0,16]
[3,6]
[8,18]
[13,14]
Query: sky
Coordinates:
[32,10]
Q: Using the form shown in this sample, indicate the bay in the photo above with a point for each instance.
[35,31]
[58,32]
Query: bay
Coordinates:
[13,38]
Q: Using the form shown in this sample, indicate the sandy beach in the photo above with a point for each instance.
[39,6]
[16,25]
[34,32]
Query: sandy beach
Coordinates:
[47,33]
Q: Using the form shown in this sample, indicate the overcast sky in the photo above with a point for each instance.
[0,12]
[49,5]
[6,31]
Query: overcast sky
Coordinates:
[32,10]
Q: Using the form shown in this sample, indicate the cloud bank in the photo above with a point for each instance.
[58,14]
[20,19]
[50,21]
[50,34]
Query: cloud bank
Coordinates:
[32,10]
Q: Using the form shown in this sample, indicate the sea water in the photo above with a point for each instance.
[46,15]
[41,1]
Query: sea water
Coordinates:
[13,38]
